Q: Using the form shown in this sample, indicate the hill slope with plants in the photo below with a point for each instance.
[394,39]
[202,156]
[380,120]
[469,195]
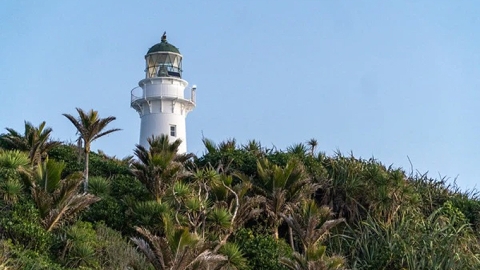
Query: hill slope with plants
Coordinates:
[238,206]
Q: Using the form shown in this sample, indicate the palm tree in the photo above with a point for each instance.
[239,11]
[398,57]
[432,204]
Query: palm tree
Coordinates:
[161,145]
[283,188]
[224,207]
[255,147]
[313,143]
[313,259]
[160,165]
[236,198]
[227,145]
[311,224]
[344,190]
[58,199]
[224,146]
[298,149]
[90,127]
[210,146]
[349,177]
[35,140]
[178,249]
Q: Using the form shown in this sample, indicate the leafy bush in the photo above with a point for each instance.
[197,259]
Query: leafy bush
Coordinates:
[107,167]
[124,192]
[115,252]
[470,207]
[108,210]
[99,164]
[22,225]
[233,160]
[261,251]
[127,187]
[87,247]
[17,257]
[70,155]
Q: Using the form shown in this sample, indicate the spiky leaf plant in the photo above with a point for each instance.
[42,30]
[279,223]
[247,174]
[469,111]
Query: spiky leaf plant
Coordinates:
[11,190]
[234,257]
[14,165]
[99,186]
[58,200]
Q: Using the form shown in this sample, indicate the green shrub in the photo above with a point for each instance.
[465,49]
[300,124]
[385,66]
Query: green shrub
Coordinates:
[235,160]
[71,155]
[99,247]
[261,251]
[470,207]
[127,187]
[22,225]
[17,257]
[109,210]
[80,246]
[107,166]
[115,252]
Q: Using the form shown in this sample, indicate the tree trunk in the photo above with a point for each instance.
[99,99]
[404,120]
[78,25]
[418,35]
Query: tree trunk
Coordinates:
[85,182]
[290,233]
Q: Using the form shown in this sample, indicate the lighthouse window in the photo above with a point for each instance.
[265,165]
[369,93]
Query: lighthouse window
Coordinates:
[173,130]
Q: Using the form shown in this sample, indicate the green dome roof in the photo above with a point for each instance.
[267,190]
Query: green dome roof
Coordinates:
[163,46]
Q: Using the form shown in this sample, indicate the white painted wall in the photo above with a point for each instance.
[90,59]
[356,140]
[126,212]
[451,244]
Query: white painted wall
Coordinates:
[162,104]
[159,123]
[156,87]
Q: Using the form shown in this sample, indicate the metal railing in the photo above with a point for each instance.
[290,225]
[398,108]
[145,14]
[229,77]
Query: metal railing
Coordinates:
[138,93]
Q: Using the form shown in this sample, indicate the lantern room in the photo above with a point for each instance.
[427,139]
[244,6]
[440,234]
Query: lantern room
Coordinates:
[163,60]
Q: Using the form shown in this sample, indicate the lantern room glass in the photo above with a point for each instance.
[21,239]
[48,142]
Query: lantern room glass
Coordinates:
[163,64]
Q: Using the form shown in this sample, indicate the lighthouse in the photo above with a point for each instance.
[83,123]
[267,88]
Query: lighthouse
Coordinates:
[159,98]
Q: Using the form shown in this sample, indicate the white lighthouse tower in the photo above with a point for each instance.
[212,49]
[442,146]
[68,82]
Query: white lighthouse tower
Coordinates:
[159,98]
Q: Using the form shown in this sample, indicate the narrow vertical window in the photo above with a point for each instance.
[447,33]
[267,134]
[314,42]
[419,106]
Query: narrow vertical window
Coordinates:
[173,130]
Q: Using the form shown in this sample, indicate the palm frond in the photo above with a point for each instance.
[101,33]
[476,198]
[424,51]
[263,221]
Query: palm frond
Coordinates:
[234,258]
[209,145]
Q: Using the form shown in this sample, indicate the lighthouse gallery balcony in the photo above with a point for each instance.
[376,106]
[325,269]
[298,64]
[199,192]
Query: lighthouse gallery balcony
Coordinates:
[161,89]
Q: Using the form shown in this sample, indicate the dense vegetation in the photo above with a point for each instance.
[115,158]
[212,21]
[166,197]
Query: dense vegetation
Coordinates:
[235,207]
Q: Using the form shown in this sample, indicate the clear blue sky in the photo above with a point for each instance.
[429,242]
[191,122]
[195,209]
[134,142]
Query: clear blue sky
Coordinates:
[388,80]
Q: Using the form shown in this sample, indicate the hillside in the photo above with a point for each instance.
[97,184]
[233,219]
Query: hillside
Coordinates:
[238,206]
